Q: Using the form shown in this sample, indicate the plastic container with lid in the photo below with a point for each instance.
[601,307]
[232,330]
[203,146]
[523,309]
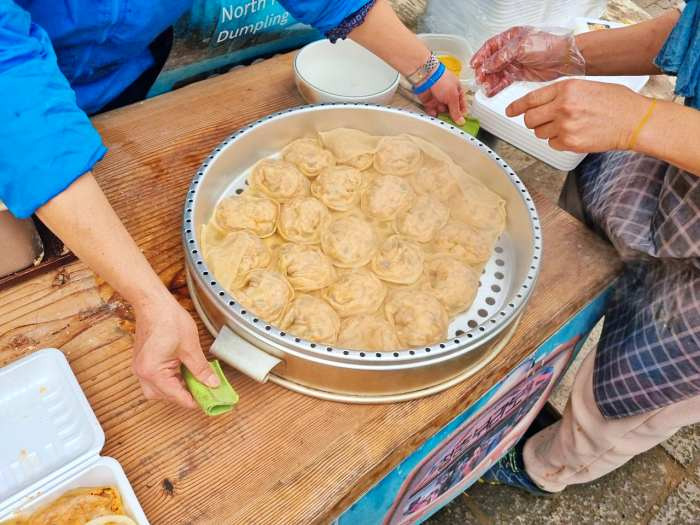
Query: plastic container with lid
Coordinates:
[55,438]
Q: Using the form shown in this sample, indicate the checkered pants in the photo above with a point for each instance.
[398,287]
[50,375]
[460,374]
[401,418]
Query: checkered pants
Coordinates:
[649,353]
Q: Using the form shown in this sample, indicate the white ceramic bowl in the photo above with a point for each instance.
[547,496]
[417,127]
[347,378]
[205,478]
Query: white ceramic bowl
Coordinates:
[343,72]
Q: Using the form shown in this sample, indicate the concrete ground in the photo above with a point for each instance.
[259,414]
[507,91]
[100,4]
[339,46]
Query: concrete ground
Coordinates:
[659,487]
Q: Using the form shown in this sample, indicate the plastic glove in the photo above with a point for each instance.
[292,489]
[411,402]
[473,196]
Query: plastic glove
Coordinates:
[526,53]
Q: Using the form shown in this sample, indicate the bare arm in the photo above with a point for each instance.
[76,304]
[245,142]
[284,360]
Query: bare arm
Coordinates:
[628,50]
[669,135]
[165,333]
[586,117]
[385,35]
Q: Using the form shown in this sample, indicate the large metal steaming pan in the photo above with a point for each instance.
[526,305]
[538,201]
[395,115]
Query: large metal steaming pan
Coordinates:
[264,352]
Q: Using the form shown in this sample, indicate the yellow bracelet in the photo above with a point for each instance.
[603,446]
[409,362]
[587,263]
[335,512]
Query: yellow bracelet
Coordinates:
[640,126]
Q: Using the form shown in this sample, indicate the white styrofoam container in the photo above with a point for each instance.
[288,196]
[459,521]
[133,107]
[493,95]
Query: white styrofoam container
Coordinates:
[478,20]
[51,439]
[492,117]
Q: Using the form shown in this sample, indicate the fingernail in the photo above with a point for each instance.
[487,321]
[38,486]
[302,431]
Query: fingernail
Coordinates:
[212,381]
[461,121]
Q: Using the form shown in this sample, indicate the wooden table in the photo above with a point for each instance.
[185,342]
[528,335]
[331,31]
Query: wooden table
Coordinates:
[280,457]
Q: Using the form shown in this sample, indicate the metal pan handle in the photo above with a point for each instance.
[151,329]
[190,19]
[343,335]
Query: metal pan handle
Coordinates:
[243,356]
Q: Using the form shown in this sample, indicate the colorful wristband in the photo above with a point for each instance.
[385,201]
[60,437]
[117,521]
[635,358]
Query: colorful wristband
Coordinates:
[640,126]
[421,74]
[425,86]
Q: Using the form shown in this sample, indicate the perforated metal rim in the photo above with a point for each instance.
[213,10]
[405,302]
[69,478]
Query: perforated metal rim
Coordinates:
[484,331]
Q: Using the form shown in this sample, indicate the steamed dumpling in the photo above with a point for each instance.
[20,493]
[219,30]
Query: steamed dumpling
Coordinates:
[311,318]
[278,179]
[477,205]
[423,220]
[355,292]
[367,332]
[236,255]
[434,178]
[338,187]
[273,242]
[266,293]
[452,282]
[350,241]
[309,156]
[465,243]
[307,268]
[386,196]
[350,146]
[301,219]
[397,156]
[211,235]
[247,212]
[398,261]
[418,317]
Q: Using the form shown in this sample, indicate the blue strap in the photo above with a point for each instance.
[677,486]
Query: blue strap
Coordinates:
[681,54]
[425,86]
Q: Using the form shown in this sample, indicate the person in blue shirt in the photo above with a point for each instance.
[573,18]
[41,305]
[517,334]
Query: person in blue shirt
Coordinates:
[63,60]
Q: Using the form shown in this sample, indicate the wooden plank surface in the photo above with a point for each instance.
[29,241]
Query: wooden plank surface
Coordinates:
[280,457]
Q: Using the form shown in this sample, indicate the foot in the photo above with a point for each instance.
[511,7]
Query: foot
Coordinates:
[510,470]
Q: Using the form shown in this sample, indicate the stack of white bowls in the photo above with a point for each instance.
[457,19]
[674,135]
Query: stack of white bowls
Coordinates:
[478,20]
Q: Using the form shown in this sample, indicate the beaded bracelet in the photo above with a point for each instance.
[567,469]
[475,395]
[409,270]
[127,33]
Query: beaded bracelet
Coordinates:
[423,72]
[425,86]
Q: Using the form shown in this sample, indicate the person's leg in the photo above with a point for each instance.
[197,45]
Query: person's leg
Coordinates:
[585,446]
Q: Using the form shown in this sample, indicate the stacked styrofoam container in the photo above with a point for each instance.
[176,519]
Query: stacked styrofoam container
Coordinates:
[478,20]
[51,440]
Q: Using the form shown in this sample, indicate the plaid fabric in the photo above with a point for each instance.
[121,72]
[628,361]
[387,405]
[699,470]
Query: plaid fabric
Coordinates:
[649,353]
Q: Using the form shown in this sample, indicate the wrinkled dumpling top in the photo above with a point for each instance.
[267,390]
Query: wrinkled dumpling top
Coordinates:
[265,293]
[306,267]
[452,282]
[355,292]
[247,212]
[477,205]
[308,155]
[349,240]
[386,196]
[338,187]
[434,179]
[301,220]
[279,180]
[367,332]
[397,156]
[350,146]
[465,243]
[234,256]
[422,221]
[418,317]
[211,234]
[398,261]
[311,318]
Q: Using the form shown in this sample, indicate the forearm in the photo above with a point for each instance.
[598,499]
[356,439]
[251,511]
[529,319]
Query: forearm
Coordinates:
[628,50]
[397,45]
[83,218]
[670,135]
